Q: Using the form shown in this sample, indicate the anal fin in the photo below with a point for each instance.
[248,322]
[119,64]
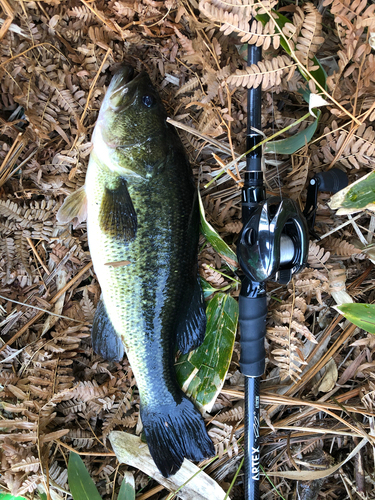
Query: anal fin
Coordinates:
[74,207]
[192,324]
[105,340]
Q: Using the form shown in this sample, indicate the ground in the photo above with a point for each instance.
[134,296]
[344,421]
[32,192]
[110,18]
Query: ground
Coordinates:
[317,393]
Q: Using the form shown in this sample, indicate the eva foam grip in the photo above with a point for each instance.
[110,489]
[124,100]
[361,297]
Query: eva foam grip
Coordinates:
[253,314]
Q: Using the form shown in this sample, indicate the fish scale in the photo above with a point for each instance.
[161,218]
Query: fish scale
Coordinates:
[142,297]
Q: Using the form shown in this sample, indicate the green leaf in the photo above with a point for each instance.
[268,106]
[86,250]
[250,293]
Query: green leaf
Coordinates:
[293,143]
[356,197]
[218,243]
[207,288]
[201,373]
[81,485]
[127,490]
[8,496]
[362,315]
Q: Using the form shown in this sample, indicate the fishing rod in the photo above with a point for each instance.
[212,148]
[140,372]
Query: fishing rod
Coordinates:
[273,246]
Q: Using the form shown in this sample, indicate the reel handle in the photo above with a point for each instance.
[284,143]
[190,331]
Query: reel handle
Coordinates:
[333,181]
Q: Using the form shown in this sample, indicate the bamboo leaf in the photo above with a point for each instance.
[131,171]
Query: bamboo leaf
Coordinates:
[202,372]
[191,482]
[127,490]
[81,485]
[218,243]
[362,315]
[295,142]
[207,288]
[8,496]
[356,197]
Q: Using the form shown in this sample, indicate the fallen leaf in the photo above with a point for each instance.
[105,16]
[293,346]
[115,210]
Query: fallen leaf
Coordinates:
[329,378]
[132,451]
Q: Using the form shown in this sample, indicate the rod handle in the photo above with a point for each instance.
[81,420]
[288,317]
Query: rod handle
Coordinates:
[252,314]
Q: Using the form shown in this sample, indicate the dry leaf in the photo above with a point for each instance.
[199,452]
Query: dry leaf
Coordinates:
[130,450]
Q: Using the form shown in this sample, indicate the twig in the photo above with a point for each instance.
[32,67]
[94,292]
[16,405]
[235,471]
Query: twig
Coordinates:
[22,163]
[28,50]
[40,309]
[52,301]
[30,242]
[92,86]
[289,401]
[3,169]
[151,492]
[196,132]
[8,21]
[86,453]
[339,227]
[362,239]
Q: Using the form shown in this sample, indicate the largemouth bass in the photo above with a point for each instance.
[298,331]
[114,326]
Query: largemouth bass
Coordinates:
[142,220]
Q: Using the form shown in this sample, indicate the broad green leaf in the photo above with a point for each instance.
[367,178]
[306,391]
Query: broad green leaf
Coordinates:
[201,373]
[127,490]
[356,197]
[8,496]
[218,243]
[295,142]
[81,485]
[362,315]
[207,288]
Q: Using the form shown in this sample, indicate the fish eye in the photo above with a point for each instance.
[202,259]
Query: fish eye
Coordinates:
[148,100]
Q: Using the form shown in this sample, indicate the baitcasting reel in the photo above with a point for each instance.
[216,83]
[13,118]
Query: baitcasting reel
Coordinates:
[275,241]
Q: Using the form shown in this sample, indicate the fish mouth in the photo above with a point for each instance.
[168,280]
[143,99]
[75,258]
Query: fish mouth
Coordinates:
[122,81]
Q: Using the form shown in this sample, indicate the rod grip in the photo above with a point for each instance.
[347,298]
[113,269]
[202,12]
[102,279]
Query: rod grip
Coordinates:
[252,314]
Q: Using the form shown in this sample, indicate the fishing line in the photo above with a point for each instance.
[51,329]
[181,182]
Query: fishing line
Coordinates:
[274,152]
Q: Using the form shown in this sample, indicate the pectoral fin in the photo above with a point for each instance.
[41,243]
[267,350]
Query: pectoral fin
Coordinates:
[117,214]
[105,340]
[74,208]
[192,325]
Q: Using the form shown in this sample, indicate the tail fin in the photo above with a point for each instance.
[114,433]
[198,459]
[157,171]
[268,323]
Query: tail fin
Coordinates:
[175,432]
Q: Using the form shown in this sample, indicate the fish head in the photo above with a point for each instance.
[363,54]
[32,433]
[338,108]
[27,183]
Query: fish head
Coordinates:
[131,128]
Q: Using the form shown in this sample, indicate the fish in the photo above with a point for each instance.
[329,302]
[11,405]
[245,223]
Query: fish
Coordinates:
[141,205]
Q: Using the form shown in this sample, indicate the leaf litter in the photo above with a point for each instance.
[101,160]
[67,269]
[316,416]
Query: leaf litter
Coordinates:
[317,394]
